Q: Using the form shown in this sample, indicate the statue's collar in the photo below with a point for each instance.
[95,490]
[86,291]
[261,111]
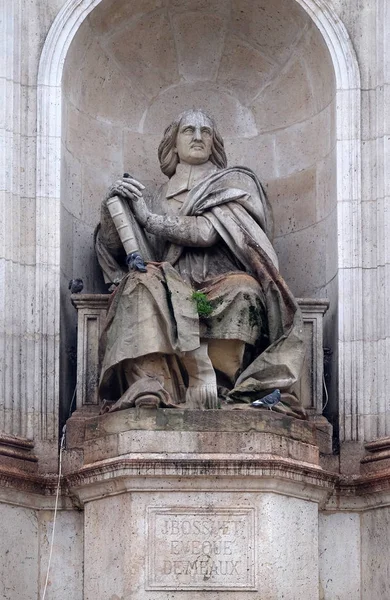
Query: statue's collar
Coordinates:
[187,176]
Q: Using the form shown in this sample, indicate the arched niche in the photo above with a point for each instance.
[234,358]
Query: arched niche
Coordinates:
[266,72]
[260,67]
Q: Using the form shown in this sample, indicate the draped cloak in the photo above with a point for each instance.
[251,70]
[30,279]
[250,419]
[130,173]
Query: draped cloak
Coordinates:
[234,202]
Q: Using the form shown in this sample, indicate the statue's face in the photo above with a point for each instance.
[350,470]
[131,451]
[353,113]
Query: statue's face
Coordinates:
[194,139]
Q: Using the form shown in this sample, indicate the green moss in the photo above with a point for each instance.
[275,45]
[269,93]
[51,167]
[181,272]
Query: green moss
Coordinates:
[203,305]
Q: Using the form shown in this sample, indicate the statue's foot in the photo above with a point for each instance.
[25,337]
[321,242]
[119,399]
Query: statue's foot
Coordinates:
[294,406]
[148,401]
[202,390]
[106,407]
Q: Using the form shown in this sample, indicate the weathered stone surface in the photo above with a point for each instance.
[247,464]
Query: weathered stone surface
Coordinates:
[67,561]
[145,50]
[249,53]
[29,328]
[199,39]
[375,557]
[340,570]
[200,308]
[17,453]
[197,420]
[19,552]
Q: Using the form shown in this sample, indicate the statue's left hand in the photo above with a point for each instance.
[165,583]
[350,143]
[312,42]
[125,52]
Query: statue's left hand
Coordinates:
[128,187]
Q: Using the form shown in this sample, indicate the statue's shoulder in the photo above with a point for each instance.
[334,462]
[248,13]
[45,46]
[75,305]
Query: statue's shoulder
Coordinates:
[242,171]
[244,176]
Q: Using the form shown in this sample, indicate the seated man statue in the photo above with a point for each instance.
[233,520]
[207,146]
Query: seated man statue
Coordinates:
[206,321]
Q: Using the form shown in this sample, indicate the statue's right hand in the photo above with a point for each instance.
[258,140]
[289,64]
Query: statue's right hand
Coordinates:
[127,187]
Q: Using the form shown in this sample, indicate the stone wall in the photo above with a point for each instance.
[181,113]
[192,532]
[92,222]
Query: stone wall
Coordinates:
[25,547]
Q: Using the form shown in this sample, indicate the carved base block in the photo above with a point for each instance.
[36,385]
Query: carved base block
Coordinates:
[206,543]
[189,433]
[197,504]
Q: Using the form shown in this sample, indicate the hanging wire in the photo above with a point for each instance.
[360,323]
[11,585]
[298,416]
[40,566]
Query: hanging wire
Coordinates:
[72,401]
[326,393]
[62,445]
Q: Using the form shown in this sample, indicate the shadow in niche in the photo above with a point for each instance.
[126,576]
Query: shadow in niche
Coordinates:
[262,69]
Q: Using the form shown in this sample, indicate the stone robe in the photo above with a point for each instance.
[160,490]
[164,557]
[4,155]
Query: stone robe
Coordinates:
[213,236]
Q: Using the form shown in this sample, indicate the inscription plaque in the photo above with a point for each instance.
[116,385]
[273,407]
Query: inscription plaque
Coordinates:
[201,549]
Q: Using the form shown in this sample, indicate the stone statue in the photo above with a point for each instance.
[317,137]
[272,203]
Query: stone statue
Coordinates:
[200,317]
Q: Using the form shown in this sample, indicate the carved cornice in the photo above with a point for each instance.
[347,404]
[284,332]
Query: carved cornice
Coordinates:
[96,301]
[280,476]
[313,305]
[199,467]
[116,476]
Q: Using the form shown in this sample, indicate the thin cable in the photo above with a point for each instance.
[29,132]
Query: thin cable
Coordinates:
[62,444]
[71,402]
[326,393]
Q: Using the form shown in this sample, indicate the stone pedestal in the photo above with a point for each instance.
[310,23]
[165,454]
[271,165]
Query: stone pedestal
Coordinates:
[197,504]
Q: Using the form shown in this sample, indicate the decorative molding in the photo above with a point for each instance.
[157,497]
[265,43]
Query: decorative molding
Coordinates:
[361,494]
[333,492]
[17,448]
[311,384]
[281,476]
[27,482]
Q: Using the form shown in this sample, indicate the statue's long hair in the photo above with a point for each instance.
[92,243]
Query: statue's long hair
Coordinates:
[168,157]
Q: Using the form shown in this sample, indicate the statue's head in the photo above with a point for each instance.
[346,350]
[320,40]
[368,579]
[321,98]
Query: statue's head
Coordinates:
[192,138]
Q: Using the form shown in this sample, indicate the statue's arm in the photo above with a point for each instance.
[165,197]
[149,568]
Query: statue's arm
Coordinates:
[185,231]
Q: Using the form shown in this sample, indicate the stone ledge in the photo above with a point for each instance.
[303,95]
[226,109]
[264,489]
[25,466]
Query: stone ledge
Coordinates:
[96,301]
[192,444]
